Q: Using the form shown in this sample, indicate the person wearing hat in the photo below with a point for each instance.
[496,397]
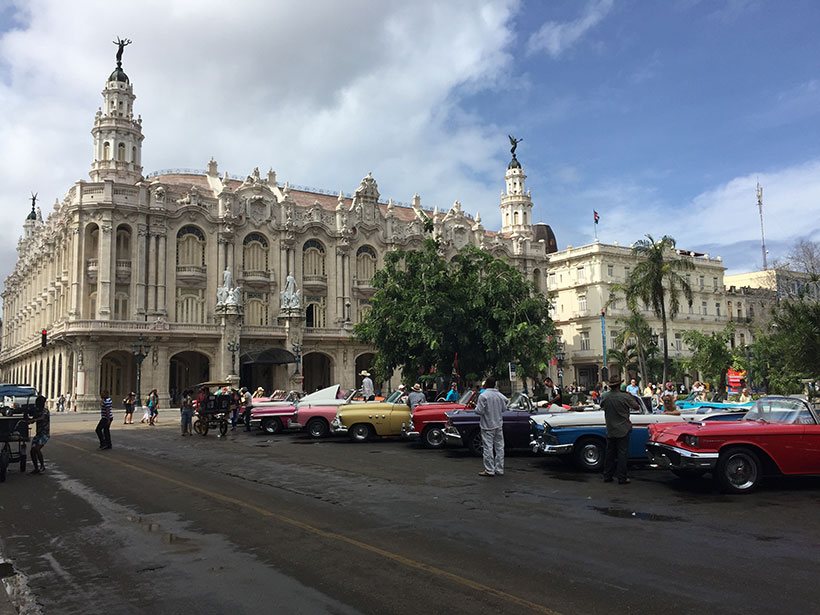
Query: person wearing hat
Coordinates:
[617,406]
[416,397]
[247,404]
[259,392]
[368,393]
[490,410]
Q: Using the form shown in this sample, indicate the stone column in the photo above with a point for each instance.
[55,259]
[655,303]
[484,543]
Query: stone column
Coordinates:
[339,305]
[152,272]
[162,274]
[105,266]
[77,259]
[138,272]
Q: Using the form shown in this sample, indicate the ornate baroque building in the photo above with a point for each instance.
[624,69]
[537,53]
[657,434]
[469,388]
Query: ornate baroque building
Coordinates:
[196,276]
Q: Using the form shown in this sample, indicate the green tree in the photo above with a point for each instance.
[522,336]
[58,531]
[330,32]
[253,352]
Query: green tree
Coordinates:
[636,333]
[711,354]
[656,281]
[426,311]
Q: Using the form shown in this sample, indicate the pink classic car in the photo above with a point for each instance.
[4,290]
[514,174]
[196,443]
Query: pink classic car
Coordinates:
[273,414]
[314,412]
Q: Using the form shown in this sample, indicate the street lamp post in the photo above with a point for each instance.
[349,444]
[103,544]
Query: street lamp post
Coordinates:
[233,348]
[560,356]
[605,367]
[297,352]
[140,351]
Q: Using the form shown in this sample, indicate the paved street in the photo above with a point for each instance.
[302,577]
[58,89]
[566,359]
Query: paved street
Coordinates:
[257,523]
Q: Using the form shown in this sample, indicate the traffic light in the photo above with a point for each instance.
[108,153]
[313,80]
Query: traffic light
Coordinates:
[43,338]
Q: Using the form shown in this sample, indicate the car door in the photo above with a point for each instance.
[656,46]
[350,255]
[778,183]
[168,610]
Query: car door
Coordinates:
[399,416]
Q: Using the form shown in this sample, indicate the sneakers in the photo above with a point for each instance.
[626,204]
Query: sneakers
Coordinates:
[485,473]
[624,481]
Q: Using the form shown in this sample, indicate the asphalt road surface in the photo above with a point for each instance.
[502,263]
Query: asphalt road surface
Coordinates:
[252,523]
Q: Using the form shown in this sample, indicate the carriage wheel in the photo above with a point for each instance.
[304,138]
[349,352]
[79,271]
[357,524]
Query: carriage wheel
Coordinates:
[223,427]
[4,462]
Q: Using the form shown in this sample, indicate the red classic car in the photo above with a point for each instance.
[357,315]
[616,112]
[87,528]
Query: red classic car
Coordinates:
[428,420]
[778,436]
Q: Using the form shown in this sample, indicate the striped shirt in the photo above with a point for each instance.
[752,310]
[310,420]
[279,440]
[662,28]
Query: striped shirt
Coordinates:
[107,408]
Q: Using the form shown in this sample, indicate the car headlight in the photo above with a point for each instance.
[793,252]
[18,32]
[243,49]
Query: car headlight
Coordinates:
[689,440]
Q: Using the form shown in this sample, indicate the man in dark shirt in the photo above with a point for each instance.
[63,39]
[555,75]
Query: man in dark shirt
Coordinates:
[43,422]
[617,406]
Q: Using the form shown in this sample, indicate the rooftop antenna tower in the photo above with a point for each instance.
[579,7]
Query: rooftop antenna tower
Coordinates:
[759,192]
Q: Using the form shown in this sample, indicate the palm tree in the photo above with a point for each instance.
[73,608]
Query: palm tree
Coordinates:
[636,332]
[656,282]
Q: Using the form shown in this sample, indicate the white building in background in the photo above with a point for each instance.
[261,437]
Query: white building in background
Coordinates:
[215,276]
[579,280]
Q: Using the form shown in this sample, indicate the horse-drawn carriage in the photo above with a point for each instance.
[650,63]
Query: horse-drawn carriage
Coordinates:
[211,409]
[14,437]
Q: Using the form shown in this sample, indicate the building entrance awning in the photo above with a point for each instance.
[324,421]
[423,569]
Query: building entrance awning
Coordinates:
[269,356]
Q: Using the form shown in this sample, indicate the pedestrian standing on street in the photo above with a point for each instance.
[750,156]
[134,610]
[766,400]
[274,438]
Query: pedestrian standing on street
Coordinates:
[452,394]
[61,403]
[233,405]
[553,393]
[617,406]
[128,402]
[106,417]
[247,404]
[490,409]
[668,399]
[186,411]
[42,420]
[416,397]
[633,389]
[368,392]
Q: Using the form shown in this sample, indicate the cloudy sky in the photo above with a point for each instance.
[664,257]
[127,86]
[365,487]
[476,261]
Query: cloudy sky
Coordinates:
[662,116]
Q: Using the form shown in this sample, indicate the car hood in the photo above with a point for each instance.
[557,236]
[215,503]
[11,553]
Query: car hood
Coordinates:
[708,428]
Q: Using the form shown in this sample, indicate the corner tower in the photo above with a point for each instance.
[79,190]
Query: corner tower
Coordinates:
[117,134]
[516,202]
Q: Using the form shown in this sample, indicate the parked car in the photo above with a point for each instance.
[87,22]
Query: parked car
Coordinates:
[462,428]
[580,437]
[273,414]
[693,404]
[316,411]
[17,399]
[778,436]
[365,420]
[428,419]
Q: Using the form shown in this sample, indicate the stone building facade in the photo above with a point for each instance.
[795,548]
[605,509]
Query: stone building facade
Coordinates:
[193,276]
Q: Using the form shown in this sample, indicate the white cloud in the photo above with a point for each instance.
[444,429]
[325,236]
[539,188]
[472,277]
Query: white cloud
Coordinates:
[555,38]
[321,91]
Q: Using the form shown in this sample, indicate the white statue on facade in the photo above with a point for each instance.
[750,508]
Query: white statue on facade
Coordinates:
[223,293]
[290,295]
[234,296]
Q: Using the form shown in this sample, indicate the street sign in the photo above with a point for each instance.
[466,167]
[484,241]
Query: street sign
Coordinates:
[513,374]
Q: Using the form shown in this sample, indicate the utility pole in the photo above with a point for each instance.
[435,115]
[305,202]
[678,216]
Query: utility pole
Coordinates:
[762,235]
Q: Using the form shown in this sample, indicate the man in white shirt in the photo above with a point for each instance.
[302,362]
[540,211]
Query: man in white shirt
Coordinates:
[490,408]
[368,393]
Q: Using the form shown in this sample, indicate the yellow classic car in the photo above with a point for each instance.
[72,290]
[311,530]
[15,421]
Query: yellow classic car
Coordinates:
[366,420]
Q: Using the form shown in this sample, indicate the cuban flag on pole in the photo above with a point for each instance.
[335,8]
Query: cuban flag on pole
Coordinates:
[595,216]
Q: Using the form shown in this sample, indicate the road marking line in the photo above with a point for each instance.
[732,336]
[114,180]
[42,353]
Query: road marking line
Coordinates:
[395,557]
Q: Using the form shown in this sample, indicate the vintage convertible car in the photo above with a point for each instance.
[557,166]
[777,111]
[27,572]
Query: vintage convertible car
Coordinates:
[364,420]
[462,428]
[580,437]
[316,411]
[692,404]
[428,420]
[779,435]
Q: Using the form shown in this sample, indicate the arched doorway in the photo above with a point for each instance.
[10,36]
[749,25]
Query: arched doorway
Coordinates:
[117,374]
[316,369]
[364,362]
[187,369]
[268,368]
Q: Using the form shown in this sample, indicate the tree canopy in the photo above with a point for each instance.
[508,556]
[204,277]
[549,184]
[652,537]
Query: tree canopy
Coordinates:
[427,313]
[711,354]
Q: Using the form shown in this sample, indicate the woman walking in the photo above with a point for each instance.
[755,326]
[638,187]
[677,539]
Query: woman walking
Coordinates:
[128,402]
[186,409]
[153,407]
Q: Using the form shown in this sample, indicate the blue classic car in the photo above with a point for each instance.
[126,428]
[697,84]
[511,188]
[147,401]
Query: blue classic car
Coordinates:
[581,436]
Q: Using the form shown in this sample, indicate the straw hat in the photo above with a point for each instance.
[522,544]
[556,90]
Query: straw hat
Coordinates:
[417,387]
[364,372]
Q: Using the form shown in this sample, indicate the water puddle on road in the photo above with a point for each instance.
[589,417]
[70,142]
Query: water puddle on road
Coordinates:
[625,513]
[6,570]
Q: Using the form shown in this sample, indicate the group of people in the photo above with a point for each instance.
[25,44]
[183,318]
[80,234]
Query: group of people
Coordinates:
[240,401]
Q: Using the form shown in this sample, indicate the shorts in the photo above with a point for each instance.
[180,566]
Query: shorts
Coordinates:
[39,440]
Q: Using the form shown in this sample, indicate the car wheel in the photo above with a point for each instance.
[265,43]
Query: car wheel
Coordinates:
[271,426]
[689,474]
[318,428]
[474,443]
[739,470]
[589,454]
[433,436]
[360,432]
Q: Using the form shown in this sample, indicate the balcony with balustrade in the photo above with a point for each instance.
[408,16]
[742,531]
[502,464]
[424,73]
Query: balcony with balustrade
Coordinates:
[314,283]
[191,273]
[123,270]
[92,269]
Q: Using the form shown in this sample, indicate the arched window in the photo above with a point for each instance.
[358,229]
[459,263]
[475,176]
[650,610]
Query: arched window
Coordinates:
[364,311]
[190,306]
[255,255]
[106,151]
[515,217]
[121,152]
[536,279]
[93,241]
[256,309]
[365,264]
[134,155]
[313,258]
[315,313]
[123,244]
[190,248]
[92,306]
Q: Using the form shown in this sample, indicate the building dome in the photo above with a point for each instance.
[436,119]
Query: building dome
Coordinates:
[514,164]
[32,214]
[118,75]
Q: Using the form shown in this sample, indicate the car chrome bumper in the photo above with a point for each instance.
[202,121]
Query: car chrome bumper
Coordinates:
[539,446]
[337,427]
[452,436]
[672,457]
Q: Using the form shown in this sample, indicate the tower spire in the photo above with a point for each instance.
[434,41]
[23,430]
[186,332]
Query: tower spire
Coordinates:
[516,202]
[117,134]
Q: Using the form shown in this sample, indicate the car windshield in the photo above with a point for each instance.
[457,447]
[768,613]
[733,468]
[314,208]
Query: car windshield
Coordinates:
[393,398]
[519,401]
[465,397]
[783,411]
[17,391]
